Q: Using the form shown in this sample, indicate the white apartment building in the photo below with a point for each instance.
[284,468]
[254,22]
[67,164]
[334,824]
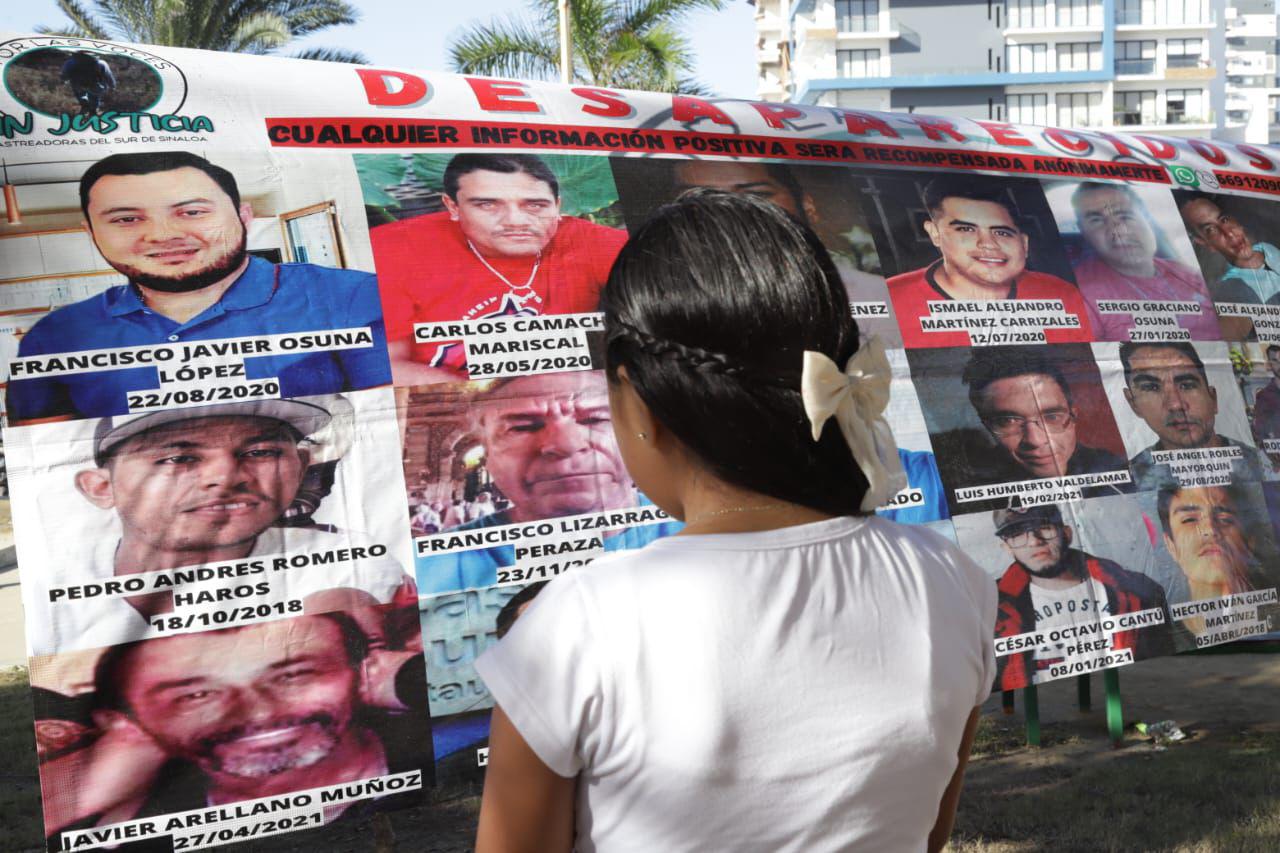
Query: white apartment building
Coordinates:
[1174,67]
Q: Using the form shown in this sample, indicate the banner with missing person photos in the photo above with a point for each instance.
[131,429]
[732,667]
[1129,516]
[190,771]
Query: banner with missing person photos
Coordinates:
[302,397]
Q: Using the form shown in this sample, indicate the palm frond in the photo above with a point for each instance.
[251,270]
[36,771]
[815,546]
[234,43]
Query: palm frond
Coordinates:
[639,15]
[332,54]
[83,24]
[261,32]
[126,19]
[251,26]
[510,49]
[317,15]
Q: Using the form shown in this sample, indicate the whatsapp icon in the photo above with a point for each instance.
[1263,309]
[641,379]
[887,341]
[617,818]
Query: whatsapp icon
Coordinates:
[1184,175]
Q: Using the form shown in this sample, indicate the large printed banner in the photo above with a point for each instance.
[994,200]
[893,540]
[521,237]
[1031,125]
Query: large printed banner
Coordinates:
[301,396]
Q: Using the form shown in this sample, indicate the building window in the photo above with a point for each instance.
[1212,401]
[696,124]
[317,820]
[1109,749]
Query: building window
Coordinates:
[1274,102]
[1077,13]
[858,63]
[1135,57]
[1130,12]
[1184,53]
[1135,108]
[857,16]
[1027,58]
[1028,109]
[1182,11]
[1184,106]
[1028,13]
[1080,56]
[1079,109]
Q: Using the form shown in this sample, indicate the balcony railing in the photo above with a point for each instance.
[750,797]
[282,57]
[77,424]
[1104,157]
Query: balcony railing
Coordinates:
[1184,62]
[1135,17]
[1135,66]
[1124,117]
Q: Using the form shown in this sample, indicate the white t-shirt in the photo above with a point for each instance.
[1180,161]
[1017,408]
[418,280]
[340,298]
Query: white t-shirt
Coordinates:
[1062,608]
[801,689]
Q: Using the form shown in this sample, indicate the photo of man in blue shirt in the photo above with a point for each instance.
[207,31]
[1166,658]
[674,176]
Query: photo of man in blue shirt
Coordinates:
[174,224]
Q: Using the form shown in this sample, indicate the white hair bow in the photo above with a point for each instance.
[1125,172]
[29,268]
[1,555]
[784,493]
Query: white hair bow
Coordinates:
[857,397]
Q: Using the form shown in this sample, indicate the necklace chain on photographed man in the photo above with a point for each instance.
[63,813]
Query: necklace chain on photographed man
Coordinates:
[514,287]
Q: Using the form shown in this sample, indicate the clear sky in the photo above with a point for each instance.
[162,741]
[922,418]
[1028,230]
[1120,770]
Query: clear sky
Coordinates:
[415,34]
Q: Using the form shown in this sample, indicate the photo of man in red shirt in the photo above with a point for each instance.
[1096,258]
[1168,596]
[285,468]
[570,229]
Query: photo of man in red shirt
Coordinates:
[983,258]
[500,248]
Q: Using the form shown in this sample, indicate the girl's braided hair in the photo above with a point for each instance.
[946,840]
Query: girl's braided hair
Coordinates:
[710,307]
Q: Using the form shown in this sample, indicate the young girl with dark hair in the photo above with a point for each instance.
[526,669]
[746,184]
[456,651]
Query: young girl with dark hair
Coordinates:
[787,673]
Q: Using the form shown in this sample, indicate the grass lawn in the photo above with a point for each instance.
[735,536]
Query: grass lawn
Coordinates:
[1208,793]
[19,793]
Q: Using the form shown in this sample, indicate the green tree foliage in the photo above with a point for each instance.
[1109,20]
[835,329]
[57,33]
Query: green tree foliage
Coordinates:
[237,26]
[624,44]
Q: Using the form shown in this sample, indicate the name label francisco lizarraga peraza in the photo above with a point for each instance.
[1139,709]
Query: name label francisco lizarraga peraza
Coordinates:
[507,534]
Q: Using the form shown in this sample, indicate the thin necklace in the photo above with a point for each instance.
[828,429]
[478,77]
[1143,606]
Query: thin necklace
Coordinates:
[731,509]
[528,284]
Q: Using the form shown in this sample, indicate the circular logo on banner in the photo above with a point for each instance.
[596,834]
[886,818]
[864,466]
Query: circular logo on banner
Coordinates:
[1208,179]
[55,77]
[1184,175]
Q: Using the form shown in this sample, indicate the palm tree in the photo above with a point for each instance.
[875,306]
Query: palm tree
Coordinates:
[238,26]
[627,44]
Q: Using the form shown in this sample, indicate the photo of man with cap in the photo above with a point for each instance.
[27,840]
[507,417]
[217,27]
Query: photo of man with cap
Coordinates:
[1051,585]
[201,485]
[175,226]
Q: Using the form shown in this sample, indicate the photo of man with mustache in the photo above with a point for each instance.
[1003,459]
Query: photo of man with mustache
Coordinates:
[1166,385]
[175,225]
[500,248]
[549,447]
[203,720]
[198,486]
[1125,257]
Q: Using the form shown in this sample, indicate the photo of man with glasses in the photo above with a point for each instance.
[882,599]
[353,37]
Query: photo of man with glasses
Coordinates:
[1023,399]
[1050,585]
[1001,418]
